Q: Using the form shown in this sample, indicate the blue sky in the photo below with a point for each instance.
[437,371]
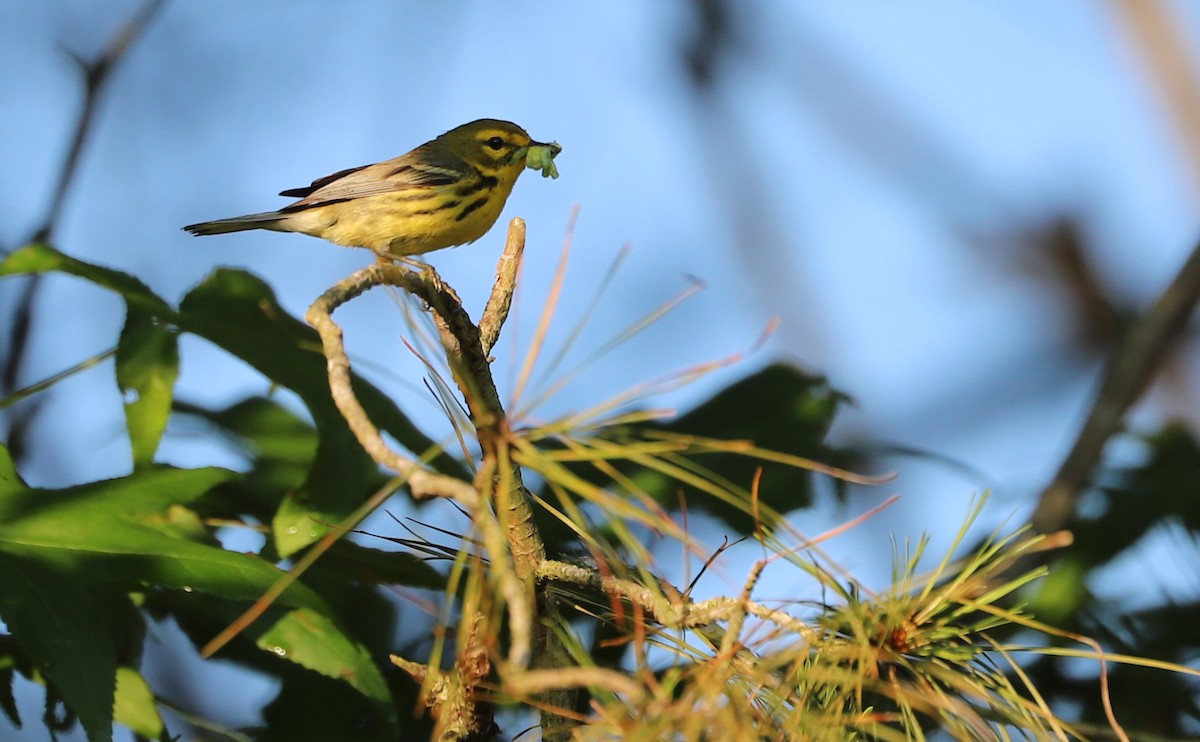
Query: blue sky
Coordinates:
[890,155]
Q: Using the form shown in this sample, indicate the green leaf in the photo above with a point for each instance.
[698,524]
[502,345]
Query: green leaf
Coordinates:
[239,313]
[39,258]
[314,641]
[341,468]
[54,619]
[135,706]
[147,365]
[122,530]
[147,358]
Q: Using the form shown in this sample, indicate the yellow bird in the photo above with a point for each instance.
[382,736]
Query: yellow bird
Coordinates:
[447,192]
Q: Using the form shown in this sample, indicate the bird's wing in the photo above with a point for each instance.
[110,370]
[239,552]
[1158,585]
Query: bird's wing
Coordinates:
[321,182]
[424,167]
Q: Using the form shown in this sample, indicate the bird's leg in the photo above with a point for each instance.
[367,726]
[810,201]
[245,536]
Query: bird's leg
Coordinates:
[426,273]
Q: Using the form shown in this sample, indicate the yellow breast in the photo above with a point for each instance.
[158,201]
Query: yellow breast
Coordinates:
[408,223]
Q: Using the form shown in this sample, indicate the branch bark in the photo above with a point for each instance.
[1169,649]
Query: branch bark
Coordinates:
[1127,375]
[500,504]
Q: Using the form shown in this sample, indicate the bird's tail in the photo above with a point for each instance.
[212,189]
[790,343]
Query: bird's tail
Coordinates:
[263,220]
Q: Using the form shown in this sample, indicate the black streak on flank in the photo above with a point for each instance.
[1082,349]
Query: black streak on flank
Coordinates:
[436,209]
[471,207]
[485,182]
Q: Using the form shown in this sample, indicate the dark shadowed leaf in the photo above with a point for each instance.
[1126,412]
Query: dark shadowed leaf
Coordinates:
[374,566]
[779,409]
[312,706]
[278,444]
[54,619]
[8,675]
[262,427]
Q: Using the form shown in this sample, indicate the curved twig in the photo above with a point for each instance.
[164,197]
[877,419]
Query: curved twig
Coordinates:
[496,311]
[421,481]
[500,505]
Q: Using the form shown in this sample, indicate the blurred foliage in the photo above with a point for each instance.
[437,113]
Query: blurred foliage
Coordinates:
[776,410]
[1129,507]
[83,568]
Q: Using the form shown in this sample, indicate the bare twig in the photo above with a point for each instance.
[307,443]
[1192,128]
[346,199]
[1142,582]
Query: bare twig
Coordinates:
[451,696]
[681,613]
[421,481]
[95,74]
[540,681]
[496,311]
[1132,366]
[472,372]
[500,505]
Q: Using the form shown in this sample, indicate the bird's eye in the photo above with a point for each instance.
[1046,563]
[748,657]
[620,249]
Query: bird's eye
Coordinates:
[495,143]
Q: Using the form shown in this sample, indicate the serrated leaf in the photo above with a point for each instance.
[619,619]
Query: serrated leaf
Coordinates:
[314,641]
[135,706]
[54,620]
[147,364]
[238,312]
[115,530]
[8,702]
